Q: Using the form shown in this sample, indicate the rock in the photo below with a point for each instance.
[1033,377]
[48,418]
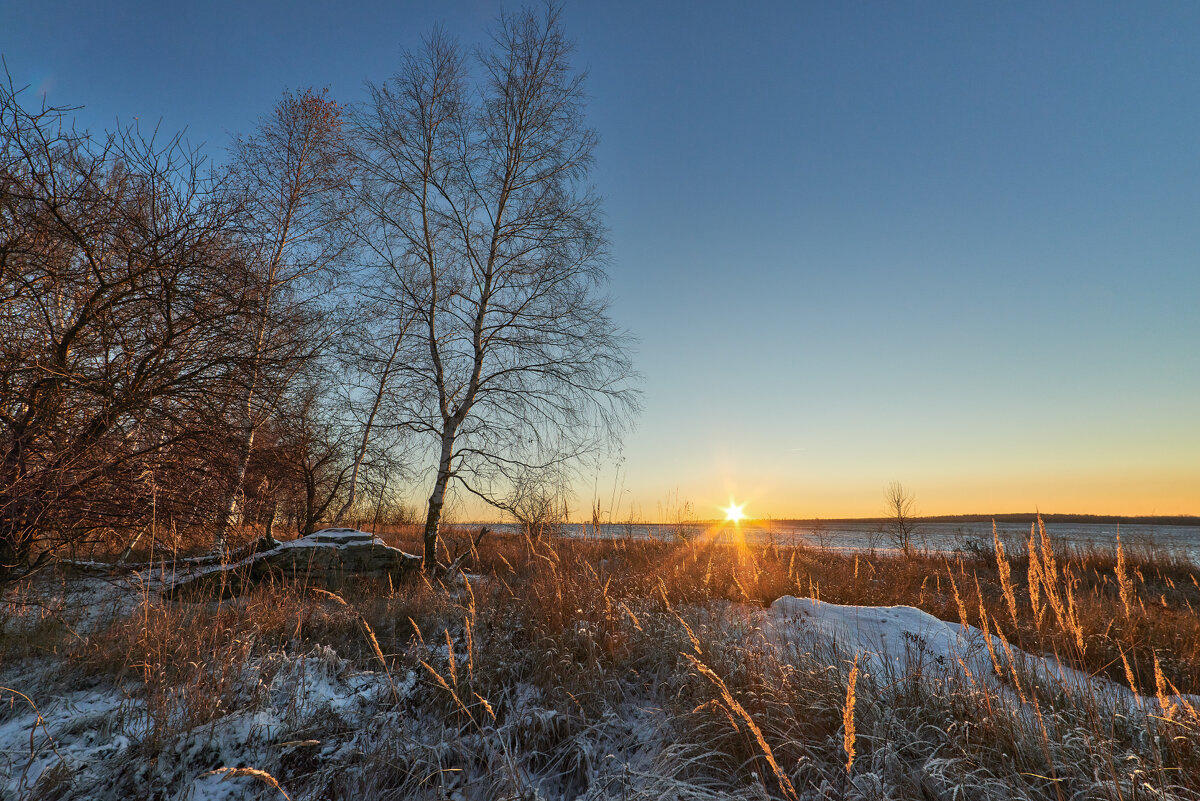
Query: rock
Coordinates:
[344,536]
[328,559]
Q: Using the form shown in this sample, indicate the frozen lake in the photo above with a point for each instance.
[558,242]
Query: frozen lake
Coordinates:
[947,537]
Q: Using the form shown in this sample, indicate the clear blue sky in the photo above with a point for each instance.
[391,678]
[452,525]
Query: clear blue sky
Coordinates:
[953,244]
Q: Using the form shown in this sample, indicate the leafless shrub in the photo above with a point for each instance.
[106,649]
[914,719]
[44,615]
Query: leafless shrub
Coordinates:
[122,295]
[901,517]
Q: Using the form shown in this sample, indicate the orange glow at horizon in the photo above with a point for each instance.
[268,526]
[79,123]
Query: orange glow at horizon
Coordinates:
[734,513]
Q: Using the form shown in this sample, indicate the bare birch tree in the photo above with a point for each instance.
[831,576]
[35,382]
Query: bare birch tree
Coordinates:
[489,237]
[374,353]
[290,179]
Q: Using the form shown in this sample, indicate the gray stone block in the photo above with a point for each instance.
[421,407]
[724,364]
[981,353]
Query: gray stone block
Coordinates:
[326,559]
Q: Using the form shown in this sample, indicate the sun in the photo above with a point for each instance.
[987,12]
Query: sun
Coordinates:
[734,513]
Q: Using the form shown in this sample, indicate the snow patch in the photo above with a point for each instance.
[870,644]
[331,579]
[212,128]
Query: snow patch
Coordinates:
[900,640]
[89,740]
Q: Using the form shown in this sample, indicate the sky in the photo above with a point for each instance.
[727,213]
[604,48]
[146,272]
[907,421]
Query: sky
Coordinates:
[950,244]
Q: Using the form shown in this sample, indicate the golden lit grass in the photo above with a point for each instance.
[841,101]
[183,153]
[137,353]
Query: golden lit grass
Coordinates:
[594,624]
[1110,613]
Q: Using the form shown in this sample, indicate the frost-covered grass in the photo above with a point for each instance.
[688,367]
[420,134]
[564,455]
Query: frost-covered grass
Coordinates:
[617,669]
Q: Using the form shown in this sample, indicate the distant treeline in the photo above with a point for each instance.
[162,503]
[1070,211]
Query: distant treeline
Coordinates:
[1023,517]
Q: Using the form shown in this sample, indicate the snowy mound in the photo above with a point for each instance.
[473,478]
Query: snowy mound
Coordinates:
[888,634]
[897,641]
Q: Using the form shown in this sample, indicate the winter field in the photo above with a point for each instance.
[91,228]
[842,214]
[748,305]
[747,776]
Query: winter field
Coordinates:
[840,247]
[620,668]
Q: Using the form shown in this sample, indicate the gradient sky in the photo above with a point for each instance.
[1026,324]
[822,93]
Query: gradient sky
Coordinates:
[953,244]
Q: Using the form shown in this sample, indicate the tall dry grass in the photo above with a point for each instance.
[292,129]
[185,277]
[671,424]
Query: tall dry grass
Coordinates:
[635,668]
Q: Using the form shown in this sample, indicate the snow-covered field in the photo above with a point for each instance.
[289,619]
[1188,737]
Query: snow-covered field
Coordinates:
[939,537]
[312,718]
[93,742]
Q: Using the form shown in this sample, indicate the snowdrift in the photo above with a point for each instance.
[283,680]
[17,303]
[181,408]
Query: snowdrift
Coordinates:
[895,641]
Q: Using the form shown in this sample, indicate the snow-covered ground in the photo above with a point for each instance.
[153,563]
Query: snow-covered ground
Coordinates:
[98,740]
[314,713]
